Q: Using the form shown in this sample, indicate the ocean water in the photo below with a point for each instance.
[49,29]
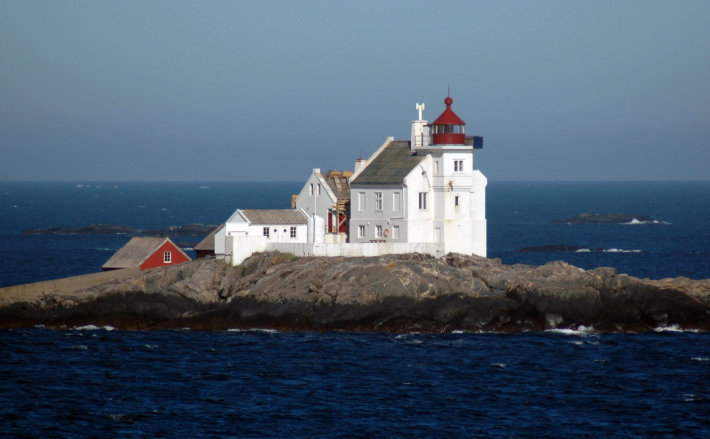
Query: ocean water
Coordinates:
[95,382]
[100,382]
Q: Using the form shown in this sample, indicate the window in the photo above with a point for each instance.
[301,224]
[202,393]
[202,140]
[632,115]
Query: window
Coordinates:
[293,231]
[318,190]
[167,257]
[310,190]
[361,201]
[436,166]
[395,232]
[396,201]
[456,200]
[360,231]
[379,231]
[458,165]
[422,200]
[266,232]
[378,201]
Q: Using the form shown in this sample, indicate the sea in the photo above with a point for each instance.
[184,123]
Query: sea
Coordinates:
[98,382]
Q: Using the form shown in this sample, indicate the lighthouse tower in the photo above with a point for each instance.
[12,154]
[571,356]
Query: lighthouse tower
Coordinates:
[459,189]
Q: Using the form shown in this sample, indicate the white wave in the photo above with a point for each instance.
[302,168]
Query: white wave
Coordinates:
[500,365]
[635,222]
[93,328]
[581,331]
[703,359]
[621,250]
[673,328]
[264,330]
[583,250]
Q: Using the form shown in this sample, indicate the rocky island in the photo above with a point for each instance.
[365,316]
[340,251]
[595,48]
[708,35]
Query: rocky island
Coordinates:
[396,293]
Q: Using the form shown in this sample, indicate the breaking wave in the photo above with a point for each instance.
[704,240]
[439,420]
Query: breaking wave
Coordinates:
[621,250]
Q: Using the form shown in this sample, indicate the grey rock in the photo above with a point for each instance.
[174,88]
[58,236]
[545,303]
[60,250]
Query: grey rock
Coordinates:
[394,293]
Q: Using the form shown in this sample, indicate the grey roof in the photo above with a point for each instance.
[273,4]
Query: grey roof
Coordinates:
[135,252]
[394,163]
[276,216]
[208,242]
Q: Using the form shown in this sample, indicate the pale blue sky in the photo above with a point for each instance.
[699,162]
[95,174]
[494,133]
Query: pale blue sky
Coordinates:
[268,90]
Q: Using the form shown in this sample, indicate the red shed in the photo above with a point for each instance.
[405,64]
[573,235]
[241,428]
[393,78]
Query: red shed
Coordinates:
[146,252]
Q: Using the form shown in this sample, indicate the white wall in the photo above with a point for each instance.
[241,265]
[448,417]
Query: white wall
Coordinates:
[219,239]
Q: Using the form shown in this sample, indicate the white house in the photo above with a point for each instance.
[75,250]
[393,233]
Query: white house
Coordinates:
[250,231]
[422,195]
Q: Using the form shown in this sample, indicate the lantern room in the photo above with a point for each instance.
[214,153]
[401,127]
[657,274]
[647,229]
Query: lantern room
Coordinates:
[448,129]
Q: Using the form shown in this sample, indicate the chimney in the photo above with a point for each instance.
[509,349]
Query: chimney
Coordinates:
[359,163]
[420,130]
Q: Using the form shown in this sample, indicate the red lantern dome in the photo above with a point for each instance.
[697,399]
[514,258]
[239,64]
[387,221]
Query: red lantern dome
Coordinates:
[448,129]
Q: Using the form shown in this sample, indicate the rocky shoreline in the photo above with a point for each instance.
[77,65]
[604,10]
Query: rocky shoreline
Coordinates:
[394,293]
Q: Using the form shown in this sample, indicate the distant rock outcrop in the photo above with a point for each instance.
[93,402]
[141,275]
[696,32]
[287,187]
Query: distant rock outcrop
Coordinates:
[113,229]
[607,218]
[388,293]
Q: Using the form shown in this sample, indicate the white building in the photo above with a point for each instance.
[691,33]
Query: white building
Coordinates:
[327,197]
[251,231]
[424,190]
[423,195]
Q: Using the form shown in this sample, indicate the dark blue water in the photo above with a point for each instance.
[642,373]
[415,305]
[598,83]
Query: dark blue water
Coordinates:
[91,382]
[98,383]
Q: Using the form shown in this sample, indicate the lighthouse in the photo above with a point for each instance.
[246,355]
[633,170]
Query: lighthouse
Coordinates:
[458,188]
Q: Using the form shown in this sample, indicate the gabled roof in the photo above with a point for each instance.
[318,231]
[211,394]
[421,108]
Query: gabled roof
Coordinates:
[208,242]
[391,166]
[276,216]
[136,251]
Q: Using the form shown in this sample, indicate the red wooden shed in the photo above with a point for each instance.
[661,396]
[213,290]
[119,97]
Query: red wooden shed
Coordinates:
[146,252]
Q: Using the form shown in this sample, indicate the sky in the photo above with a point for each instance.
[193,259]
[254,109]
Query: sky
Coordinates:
[268,90]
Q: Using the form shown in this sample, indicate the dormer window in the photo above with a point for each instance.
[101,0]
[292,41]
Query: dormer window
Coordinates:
[167,257]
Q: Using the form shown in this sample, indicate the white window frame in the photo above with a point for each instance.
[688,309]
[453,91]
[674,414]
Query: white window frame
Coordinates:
[310,190]
[395,232]
[458,165]
[378,201]
[422,200]
[167,257]
[378,231]
[396,201]
[266,232]
[293,231]
[361,201]
[361,231]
